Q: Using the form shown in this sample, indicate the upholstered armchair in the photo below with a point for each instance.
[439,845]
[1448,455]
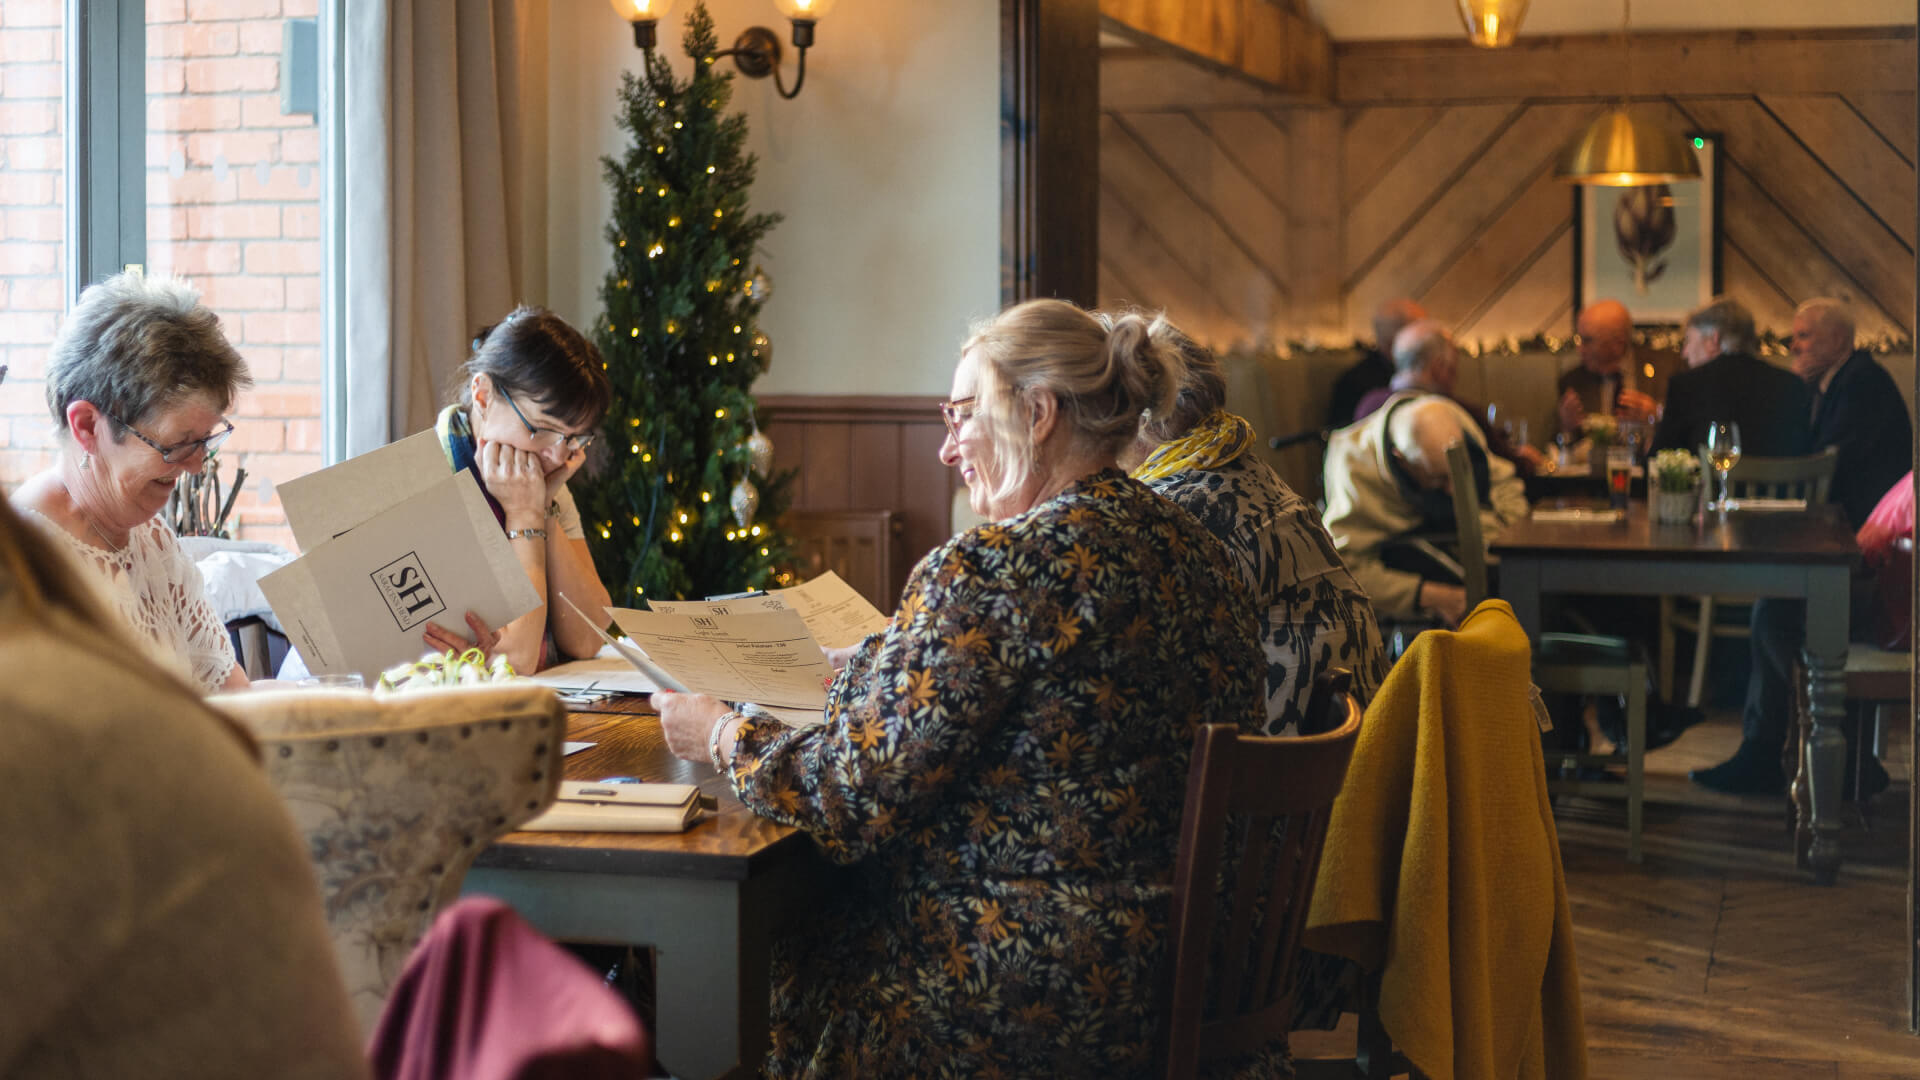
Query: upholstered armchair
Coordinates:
[395,796]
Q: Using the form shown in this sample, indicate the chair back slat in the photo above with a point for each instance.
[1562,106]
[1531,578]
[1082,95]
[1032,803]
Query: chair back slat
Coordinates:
[1259,806]
[1466,517]
[1809,477]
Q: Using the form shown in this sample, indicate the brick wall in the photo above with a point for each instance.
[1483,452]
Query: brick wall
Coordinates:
[233,204]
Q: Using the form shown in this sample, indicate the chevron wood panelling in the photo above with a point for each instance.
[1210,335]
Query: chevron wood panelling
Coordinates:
[1453,202]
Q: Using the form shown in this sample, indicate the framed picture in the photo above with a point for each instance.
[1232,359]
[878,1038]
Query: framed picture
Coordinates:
[1655,249]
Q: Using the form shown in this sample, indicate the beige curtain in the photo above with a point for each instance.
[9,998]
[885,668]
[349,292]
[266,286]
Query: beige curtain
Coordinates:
[444,178]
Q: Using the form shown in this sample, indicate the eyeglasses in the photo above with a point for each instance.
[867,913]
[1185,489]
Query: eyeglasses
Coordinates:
[956,413]
[545,437]
[179,452]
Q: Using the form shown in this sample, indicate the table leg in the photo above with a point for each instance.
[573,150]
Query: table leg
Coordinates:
[1520,588]
[710,992]
[1825,750]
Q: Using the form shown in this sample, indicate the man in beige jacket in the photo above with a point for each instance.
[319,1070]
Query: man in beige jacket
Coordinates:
[1388,475]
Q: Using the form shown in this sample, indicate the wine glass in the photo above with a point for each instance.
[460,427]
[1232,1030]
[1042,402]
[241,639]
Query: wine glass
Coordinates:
[1723,452]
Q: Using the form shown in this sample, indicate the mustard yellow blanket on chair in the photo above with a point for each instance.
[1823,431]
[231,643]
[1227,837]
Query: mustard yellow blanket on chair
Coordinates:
[1442,867]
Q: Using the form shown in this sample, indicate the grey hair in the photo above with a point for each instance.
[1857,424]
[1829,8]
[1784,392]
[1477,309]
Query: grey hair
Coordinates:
[1104,372]
[1830,312]
[1730,319]
[135,345]
[1418,345]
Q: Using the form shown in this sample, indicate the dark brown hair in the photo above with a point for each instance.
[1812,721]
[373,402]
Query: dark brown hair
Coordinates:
[533,355]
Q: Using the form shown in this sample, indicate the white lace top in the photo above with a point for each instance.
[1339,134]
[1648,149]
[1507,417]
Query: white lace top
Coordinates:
[158,591]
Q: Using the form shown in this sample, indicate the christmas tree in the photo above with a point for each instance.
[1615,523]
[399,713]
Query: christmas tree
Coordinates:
[681,504]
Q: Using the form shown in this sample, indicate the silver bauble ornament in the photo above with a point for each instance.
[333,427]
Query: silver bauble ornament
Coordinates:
[759,286]
[760,453]
[745,500]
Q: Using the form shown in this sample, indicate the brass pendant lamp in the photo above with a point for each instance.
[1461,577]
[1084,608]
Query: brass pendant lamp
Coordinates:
[1491,24]
[1621,150]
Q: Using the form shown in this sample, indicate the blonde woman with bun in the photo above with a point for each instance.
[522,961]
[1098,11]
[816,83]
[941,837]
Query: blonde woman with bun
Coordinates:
[1004,765]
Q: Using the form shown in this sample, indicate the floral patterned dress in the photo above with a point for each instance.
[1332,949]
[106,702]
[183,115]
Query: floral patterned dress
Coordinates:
[1313,614]
[1006,766]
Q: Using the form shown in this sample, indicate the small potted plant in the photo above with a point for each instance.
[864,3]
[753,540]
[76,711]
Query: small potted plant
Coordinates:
[1601,430]
[1675,482]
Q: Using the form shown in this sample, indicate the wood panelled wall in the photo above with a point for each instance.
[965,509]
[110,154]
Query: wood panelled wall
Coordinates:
[1445,193]
[867,453]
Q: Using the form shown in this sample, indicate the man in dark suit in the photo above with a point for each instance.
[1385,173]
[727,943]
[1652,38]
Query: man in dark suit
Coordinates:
[1375,368]
[1725,381]
[1613,377]
[1859,409]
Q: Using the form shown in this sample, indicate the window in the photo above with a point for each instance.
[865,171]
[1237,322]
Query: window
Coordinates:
[224,189]
[33,225]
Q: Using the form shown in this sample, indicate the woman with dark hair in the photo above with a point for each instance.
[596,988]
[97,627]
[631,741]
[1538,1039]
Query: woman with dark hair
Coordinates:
[531,398]
[1313,614]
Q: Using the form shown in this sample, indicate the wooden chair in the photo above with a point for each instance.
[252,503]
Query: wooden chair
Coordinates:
[858,545]
[395,796]
[1567,664]
[1270,797]
[1807,478]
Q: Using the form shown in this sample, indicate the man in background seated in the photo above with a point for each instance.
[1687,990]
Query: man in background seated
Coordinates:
[1412,372]
[1858,408]
[1613,378]
[1727,382]
[1387,475]
[1375,368]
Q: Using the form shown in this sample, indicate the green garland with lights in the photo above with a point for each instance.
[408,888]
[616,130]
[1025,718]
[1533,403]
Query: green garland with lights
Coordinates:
[1771,344]
[681,504]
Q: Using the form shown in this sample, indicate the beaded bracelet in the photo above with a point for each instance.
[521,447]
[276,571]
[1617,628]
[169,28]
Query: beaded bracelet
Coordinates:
[713,740]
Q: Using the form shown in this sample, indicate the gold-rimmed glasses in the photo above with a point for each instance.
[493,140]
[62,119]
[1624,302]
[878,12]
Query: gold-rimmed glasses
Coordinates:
[956,413]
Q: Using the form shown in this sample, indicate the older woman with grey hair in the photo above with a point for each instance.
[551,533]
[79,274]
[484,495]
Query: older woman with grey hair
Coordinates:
[1313,614]
[138,383]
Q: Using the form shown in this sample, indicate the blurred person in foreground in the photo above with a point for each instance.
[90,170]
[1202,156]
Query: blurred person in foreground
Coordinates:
[1313,614]
[138,383]
[161,917]
[1004,766]
[1387,476]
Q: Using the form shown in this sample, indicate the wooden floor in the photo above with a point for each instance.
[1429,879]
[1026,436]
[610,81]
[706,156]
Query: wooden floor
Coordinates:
[1716,958]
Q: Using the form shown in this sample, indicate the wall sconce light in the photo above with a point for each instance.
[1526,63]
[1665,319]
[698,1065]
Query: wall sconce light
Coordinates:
[756,52]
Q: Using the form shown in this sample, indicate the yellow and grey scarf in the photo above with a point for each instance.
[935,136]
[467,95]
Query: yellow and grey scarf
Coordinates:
[1213,442]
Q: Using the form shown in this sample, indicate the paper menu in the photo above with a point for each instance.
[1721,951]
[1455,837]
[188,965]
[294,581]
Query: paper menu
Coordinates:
[764,655]
[325,504]
[834,613]
[359,602]
[837,615]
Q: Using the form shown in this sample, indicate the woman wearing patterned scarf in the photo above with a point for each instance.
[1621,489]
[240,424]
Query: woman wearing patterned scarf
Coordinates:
[1313,615]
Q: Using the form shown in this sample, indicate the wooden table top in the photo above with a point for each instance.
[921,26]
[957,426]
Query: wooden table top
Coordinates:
[731,845]
[1820,535]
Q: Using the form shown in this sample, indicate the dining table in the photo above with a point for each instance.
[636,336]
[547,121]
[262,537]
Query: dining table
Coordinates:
[709,901]
[1806,554]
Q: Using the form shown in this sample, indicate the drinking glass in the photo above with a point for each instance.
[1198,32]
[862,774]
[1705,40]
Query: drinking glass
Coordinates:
[333,682]
[1723,453]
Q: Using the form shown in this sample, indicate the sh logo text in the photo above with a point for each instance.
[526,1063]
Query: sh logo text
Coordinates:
[409,593]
